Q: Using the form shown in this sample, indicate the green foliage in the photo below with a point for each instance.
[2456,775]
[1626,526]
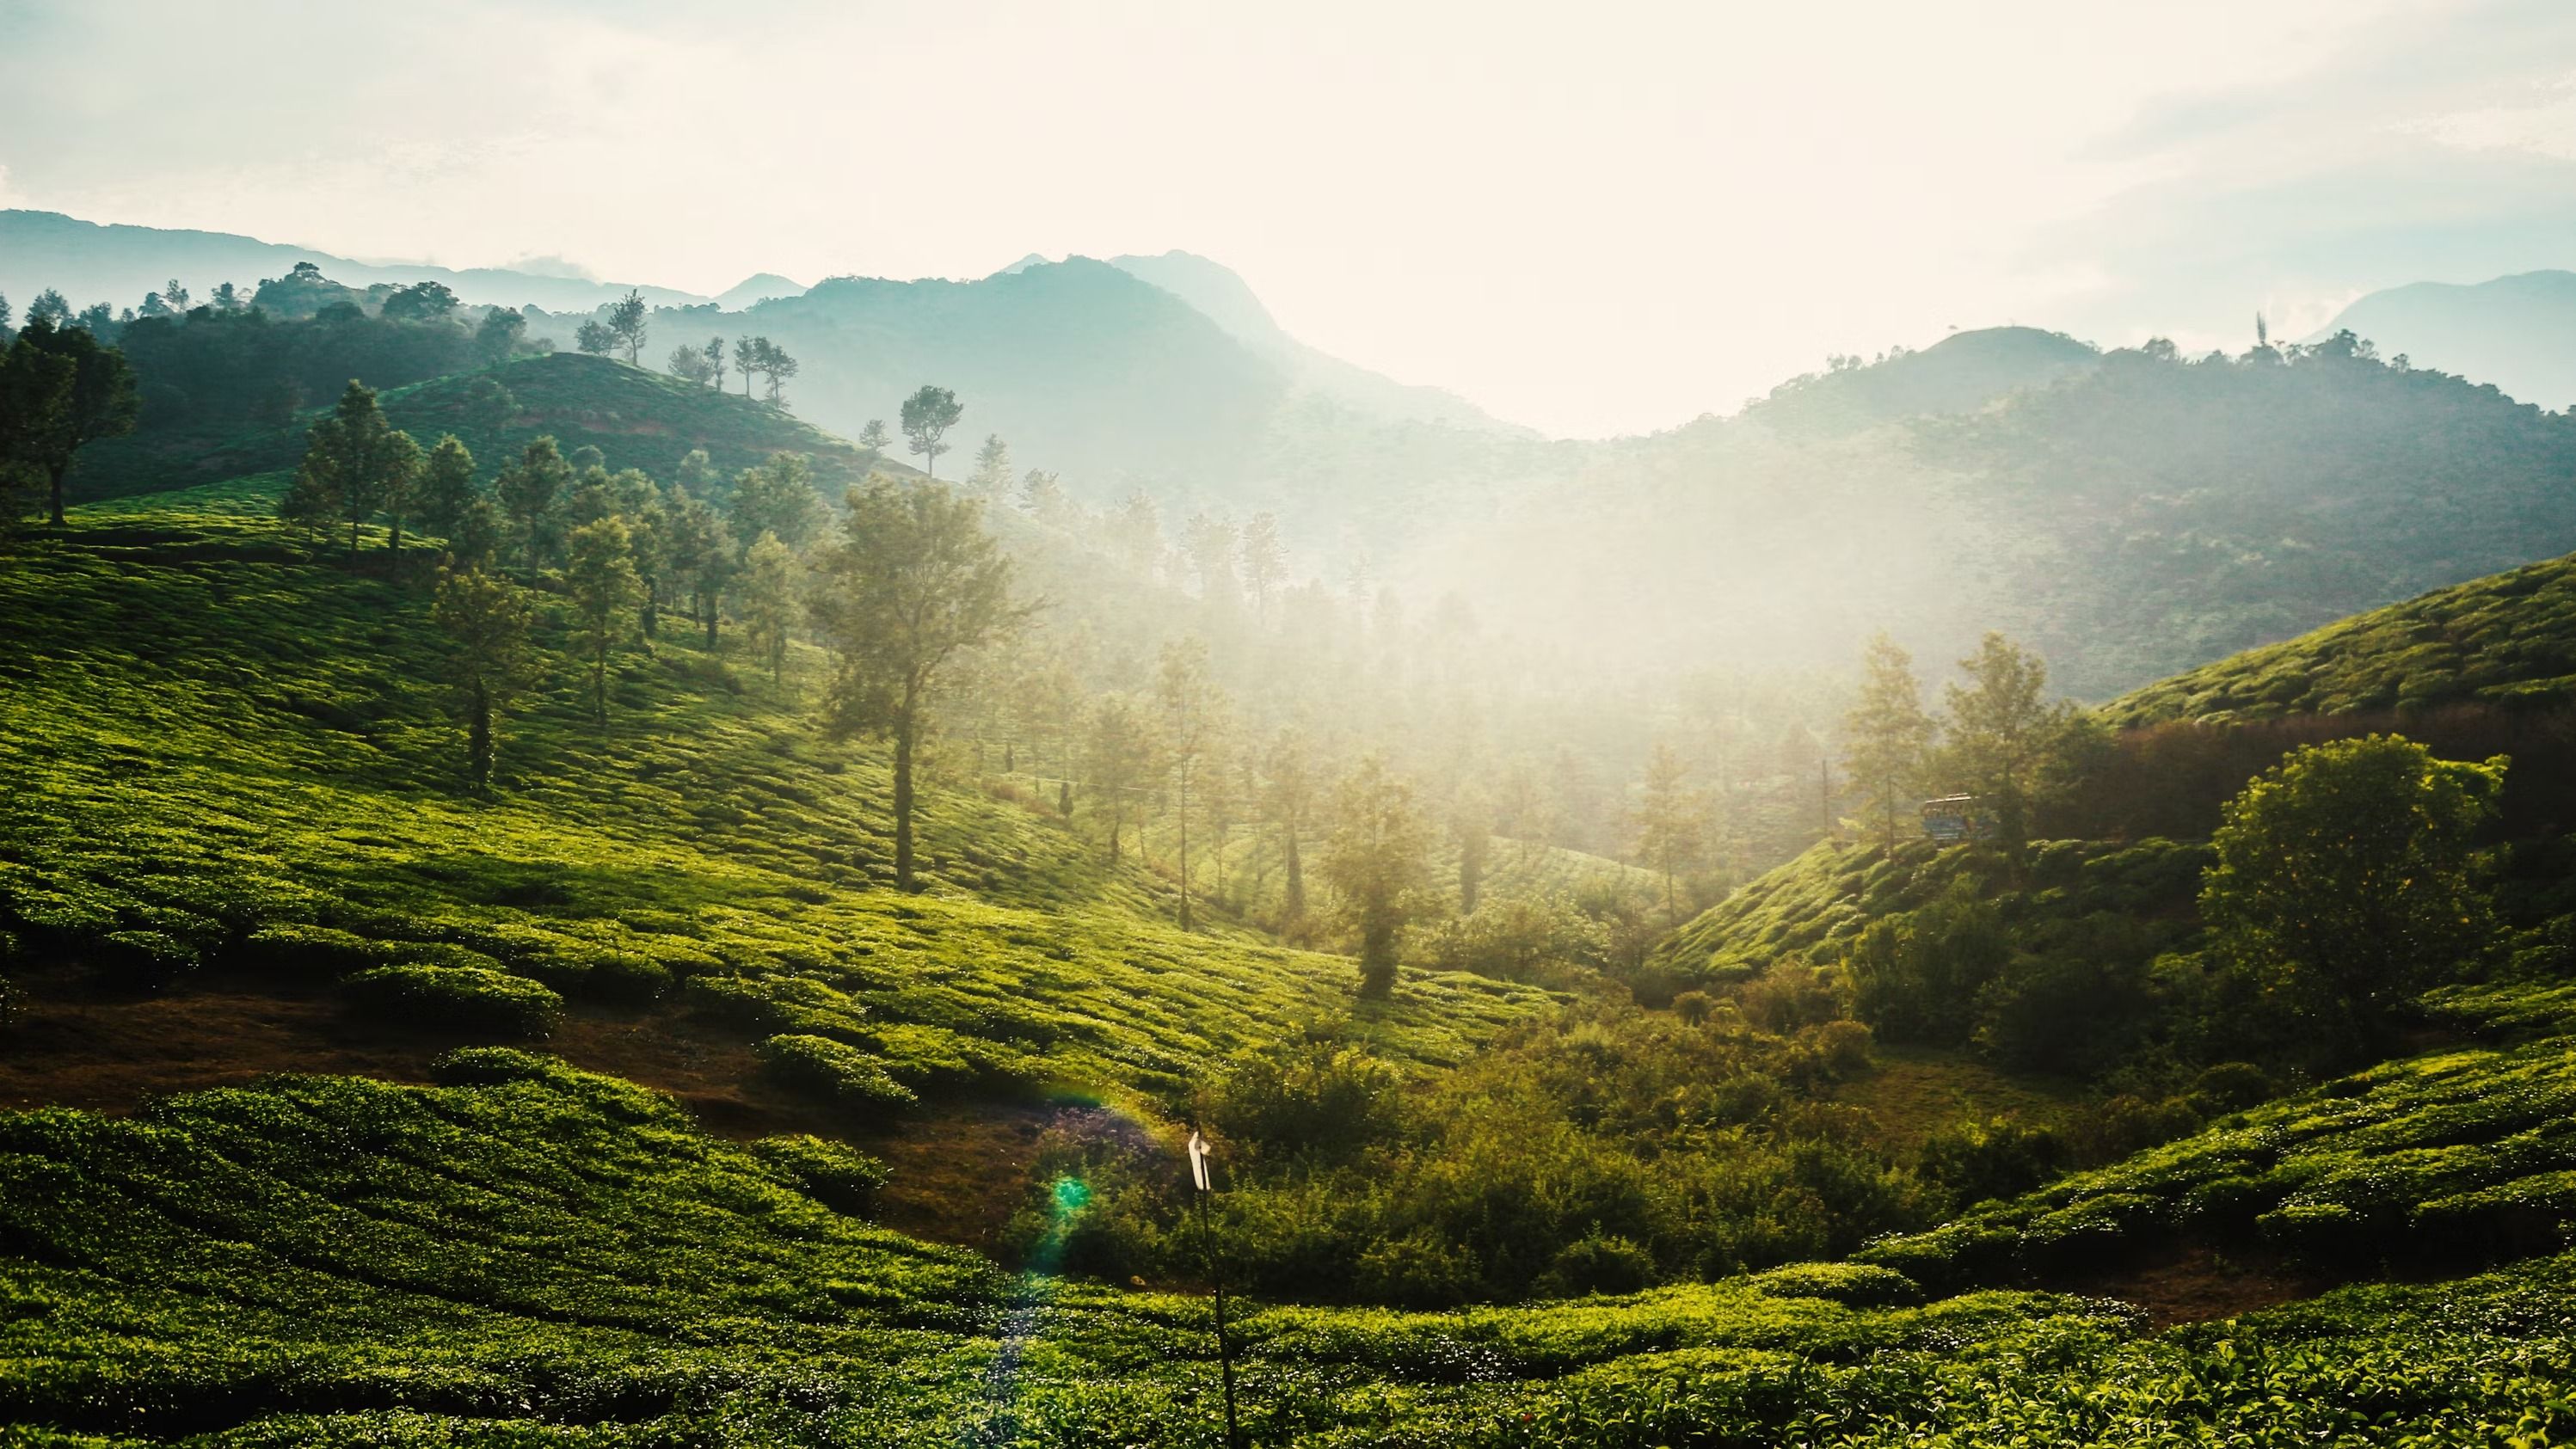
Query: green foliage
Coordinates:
[1377,862]
[456,998]
[832,1173]
[833,1071]
[2342,875]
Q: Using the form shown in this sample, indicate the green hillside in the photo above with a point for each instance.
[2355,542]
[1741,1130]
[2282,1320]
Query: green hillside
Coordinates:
[636,417]
[2509,638]
[220,757]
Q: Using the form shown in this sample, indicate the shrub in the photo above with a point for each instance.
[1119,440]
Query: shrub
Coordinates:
[835,1071]
[1309,1099]
[1790,996]
[1998,1158]
[1854,1285]
[308,950]
[457,998]
[1418,1270]
[1694,1007]
[832,1173]
[1843,1047]
[2230,1087]
[1595,1263]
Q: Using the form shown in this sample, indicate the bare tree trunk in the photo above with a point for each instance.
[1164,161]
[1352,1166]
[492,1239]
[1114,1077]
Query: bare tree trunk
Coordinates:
[478,735]
[55,473]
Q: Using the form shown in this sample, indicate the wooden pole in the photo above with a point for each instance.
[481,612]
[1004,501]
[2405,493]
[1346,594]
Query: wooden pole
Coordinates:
[1224,1350]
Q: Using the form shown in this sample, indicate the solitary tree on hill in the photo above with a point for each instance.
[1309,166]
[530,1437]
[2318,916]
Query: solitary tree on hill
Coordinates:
[914,582]
[1378,863]
[628,323]
[992,471]
[593,337]
[97,401]
[486,621]
[599,578]
[927,417]
[873,438]
[2342,881]
[1887,735]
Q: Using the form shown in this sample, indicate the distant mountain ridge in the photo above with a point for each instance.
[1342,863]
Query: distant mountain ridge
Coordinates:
[2512,331]
[92,262]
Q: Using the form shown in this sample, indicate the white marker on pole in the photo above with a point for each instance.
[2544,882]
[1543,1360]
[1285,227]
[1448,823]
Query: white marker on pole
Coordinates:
[1198,1161]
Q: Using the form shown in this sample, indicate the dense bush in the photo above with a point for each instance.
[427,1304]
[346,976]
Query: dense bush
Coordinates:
[456,998]
[832,1173]
[831,1070]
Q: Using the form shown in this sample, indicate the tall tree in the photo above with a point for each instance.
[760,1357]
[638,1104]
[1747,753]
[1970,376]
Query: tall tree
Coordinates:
[1289,797]
[714,353]
[992,471]
[769,600]
[1209,539]
[1042,497]
[499,334]
[628,321]
[486,621]
[746,360]
[778,497]
[1193,713]
[1888,735]
[1265,560]
[357,464]
[776,366]
[1471,833]
[100,403]
[419,302]
[2001,726]
[1377,861]
[874,439]
[689,364]
[50,309]
[600,582]
[532,493]
[927,416]
[35,393]
[1118,759]
[914,582]
[593,337]
[1669,815]
[703,555]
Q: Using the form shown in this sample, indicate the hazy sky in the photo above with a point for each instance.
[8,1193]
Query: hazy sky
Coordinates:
[1597,218]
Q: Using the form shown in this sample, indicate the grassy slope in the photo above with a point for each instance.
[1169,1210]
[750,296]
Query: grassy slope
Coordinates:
[636,417]
[2506,638]
[1814,907]
[528,1255]
[207,735]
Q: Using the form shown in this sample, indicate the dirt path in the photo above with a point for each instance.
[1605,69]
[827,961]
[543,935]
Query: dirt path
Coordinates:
[2194,1283]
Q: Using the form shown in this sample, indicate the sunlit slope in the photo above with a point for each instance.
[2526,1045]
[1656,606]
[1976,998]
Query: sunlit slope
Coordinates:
[2446,1162]
[527,1255]
[1814,908]
[218,751]
[2509,638]
[636,417]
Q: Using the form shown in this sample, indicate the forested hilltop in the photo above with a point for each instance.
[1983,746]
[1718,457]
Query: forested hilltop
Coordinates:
[548,901]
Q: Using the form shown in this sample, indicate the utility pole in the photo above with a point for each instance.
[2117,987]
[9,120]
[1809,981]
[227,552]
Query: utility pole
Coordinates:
[1207,1242]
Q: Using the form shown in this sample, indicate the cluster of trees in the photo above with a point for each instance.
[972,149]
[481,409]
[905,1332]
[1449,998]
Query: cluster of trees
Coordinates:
[211,365]
[2002,740]
[752,357]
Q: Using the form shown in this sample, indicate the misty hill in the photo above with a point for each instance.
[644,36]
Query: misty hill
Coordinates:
[2511,331]
[1229,302]
[2131,518]
[1959,374]
[89,262]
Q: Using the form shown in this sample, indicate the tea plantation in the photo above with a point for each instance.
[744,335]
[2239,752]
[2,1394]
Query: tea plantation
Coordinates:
[533,1255]
[219,753]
